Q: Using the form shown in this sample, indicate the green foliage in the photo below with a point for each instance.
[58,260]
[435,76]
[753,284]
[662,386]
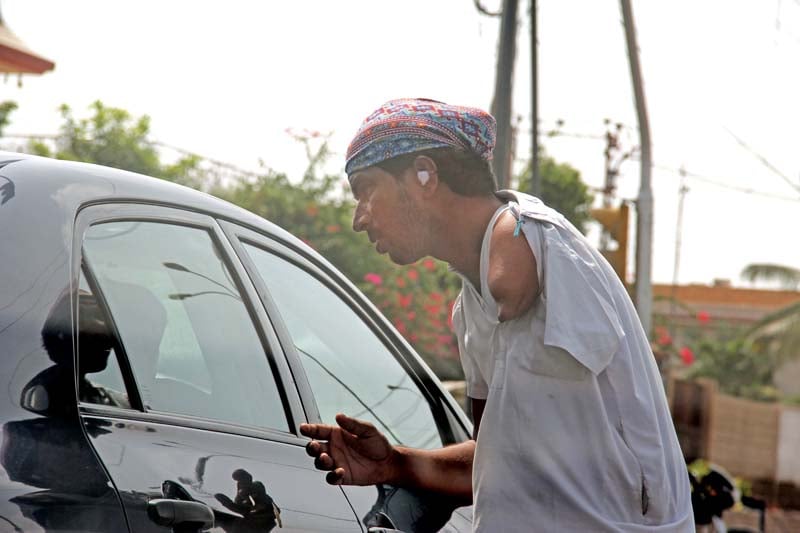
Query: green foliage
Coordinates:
[112,137]
[318,209]
[562,189]
[787,277]
[738,368]
[6,108]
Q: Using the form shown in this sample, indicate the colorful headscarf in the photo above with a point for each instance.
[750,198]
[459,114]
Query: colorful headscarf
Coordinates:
[411,125]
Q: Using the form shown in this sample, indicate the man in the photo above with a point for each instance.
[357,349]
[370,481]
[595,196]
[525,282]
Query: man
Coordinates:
[572,430]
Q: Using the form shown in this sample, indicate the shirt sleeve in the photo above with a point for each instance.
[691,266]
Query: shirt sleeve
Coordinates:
[581,317]
[476,386]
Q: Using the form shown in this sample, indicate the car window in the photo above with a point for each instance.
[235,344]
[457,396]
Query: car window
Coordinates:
[349,368]
[181,319]
[100,378]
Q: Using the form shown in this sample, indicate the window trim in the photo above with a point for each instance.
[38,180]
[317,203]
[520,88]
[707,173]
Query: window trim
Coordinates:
[443,407]
[98,213]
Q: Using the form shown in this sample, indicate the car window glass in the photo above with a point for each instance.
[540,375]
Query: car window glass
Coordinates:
[190,339]
[100,379]
[349,369]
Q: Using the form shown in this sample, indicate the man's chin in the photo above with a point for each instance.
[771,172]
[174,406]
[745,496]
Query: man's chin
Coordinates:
[401,260]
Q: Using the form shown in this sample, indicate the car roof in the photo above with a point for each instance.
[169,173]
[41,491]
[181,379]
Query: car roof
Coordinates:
[40,185]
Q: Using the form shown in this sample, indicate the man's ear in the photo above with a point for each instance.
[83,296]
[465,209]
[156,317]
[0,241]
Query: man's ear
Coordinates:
[426,172]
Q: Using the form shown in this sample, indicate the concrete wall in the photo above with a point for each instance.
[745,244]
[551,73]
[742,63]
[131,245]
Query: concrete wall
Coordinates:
[789,445]
[743,436]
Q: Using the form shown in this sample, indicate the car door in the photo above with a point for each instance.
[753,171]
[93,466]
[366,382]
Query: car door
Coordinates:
[184,390]
[354,363]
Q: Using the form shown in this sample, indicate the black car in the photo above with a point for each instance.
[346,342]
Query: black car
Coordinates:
[159,348]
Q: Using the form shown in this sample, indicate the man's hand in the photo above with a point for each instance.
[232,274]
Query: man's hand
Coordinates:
[355,453]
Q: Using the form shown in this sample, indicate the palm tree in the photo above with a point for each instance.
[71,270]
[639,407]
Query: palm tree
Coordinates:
[777,335]
[787,277]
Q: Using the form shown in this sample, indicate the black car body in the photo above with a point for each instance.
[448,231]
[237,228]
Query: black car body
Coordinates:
[159,348]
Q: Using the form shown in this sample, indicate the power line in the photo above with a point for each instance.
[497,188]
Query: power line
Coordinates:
[764,161]
[183,151]
[717,183]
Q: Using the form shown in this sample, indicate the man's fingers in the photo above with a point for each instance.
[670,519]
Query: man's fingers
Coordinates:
[314,448]
[356,427]
[324,462]
[316,431]
[335,477]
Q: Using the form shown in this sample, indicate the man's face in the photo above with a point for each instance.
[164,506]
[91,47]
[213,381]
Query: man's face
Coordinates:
[386,209]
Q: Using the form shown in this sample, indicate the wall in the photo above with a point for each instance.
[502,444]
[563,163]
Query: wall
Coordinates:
[789,445]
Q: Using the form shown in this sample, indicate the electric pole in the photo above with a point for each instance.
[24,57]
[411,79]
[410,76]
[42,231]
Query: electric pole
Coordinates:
[536,179]
[644,204]
[501,104]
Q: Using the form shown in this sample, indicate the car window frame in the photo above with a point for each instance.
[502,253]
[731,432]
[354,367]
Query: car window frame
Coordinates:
[450,420]
[120,211]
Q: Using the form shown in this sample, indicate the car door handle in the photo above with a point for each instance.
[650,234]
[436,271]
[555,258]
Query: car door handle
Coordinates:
[174,513]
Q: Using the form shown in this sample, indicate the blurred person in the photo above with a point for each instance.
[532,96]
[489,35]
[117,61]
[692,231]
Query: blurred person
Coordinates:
[571,426]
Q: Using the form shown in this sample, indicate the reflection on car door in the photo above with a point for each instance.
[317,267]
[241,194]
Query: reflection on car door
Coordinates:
[178,382]
[353,369]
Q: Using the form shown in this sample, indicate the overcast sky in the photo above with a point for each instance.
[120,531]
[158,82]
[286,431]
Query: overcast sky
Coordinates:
[226,79]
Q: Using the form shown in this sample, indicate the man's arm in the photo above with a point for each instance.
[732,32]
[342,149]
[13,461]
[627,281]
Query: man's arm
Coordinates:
[356,453]
[513,279]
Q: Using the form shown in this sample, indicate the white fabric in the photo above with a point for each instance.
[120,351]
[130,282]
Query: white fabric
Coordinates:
[576,434]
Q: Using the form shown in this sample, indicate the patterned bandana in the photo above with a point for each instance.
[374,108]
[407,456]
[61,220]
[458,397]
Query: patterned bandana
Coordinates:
[408,125]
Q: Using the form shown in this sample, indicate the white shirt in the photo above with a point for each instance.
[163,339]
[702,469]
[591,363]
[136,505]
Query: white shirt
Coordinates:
[576,434]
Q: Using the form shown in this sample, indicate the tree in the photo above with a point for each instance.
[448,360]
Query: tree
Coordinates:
[318,208]
[778,333]
[739,367]
[417,299]
[112,137]
[562,189]
[6,108]
[787,277]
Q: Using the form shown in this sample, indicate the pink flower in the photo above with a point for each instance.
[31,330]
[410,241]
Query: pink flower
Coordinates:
[400,281]
[703,317]
[664,339]
[413,275]
[429,264]
[404,300]
[687,355]
[373,278]
[333,228]
[433,310]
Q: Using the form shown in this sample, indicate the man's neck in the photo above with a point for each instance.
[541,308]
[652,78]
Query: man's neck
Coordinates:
[461,226]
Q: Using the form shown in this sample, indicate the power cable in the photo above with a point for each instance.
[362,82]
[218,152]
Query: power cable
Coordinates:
[183,151]
[717,183]
[764,161]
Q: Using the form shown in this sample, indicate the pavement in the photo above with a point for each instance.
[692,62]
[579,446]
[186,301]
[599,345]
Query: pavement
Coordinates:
[778,520]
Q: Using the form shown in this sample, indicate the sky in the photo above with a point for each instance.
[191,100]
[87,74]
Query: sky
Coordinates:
[227,79]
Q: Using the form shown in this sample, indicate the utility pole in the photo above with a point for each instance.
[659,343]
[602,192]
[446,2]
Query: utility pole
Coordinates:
[644,204]
[536,179]
[682,190]
[501,104]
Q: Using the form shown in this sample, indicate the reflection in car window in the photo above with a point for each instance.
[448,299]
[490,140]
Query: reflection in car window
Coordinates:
[350,370]
[100,379]
[181,319]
